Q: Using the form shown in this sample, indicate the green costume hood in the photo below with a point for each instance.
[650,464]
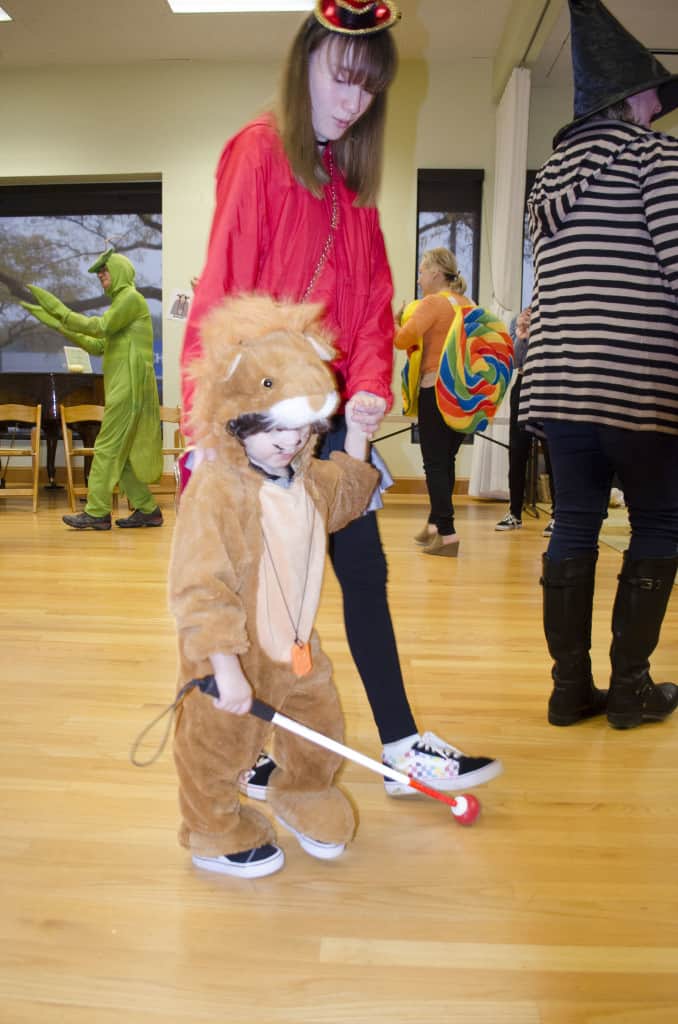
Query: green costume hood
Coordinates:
[119,267]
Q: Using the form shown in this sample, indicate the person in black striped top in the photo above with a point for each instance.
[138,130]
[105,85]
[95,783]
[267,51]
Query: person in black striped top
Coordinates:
[601,374]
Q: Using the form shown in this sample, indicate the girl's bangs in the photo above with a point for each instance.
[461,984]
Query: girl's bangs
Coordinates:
[367,61]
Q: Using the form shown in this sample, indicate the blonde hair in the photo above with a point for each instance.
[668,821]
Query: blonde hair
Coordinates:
[446,262]
[373,62]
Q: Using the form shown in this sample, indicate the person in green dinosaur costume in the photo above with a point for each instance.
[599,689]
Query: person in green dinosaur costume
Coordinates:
[127,451]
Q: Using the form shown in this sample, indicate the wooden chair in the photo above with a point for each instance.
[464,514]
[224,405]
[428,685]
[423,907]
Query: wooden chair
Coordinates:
[170,414]
[31,415]
[84,415]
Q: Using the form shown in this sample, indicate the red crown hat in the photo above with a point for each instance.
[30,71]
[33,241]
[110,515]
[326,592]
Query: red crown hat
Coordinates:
[355,17]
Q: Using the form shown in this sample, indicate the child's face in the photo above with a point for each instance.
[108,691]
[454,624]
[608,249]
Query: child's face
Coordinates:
[273,450]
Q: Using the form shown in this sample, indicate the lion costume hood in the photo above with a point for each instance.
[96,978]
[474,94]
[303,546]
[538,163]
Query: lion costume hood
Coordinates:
[261,356]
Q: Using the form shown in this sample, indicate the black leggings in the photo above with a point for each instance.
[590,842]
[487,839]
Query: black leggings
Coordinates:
[520,442]
[439,447]
[359,563]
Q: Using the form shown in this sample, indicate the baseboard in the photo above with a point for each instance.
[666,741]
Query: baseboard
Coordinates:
[417,485]
[401,485]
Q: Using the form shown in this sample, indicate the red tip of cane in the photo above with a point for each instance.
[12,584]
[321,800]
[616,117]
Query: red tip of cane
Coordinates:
[436,794]
[467,815]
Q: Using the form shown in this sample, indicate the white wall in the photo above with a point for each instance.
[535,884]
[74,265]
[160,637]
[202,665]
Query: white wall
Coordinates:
[172,118]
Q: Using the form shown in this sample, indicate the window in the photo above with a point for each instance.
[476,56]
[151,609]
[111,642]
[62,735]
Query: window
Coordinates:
[448,214]
[51,235]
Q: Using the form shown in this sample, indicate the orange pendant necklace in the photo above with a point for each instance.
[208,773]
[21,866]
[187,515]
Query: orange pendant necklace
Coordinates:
[302,662]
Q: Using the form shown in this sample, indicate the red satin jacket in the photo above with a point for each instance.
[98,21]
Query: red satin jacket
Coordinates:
[267,235]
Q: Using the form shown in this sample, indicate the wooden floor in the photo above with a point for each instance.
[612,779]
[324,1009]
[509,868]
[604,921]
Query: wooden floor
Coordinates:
[560,906]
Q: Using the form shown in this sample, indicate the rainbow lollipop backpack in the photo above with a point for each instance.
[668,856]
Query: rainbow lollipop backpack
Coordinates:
[474,371]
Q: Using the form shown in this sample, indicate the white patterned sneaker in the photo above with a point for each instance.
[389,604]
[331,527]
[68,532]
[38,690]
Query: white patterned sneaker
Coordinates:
[439,765]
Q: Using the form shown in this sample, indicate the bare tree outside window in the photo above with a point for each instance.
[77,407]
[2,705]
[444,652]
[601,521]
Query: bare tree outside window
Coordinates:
[454,231]
[55,250]
[449,204]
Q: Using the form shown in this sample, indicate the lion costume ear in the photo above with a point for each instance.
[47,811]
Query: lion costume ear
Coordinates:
[232,365]
[321,347]
[306,318]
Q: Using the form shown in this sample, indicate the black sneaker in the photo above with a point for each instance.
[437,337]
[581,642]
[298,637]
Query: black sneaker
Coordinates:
[254,781]
[139,518]
[441,766]
[84,521]
[509,522]
[255,863]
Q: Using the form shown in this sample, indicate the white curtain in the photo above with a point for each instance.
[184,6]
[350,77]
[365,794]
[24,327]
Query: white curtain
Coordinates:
[489,465]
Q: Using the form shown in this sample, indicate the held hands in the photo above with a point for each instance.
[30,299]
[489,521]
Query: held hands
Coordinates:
[365,411]
[235,693]
[363,414]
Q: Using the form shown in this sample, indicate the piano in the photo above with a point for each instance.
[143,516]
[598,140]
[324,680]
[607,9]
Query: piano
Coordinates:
[52,390]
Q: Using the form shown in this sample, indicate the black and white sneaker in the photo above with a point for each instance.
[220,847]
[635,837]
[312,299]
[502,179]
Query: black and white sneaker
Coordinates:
[509,522]
[548,529]
[254,781]
[323,851]
[437,764]
[262,860]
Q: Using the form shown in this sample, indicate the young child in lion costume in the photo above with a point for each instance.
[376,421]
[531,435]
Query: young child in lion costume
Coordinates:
[245,578]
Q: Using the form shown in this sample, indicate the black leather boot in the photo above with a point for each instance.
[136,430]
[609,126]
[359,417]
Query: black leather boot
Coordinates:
[640,605]
[568,607]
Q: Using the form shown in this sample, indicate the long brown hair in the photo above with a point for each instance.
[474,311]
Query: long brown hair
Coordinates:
[373,62]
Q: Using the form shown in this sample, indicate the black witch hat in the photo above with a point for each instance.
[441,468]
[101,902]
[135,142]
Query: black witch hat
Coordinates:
[609,64]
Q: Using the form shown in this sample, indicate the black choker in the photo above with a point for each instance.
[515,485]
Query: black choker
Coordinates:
[286,476]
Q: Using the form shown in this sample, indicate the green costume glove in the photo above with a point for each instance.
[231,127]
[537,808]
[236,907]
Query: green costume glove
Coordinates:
[41,314]
[49,302]
[91,345]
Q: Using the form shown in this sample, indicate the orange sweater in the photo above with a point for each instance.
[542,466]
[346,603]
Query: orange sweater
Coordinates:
[430,321]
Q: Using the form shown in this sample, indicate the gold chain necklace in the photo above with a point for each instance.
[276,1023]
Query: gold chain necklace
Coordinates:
[334,222]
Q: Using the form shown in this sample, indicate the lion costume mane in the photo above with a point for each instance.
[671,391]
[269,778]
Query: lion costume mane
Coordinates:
[245,575]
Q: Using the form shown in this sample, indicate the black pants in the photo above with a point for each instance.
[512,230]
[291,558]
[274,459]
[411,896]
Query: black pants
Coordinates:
[359,563]
[585,458]
[520,442]
[439,447]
